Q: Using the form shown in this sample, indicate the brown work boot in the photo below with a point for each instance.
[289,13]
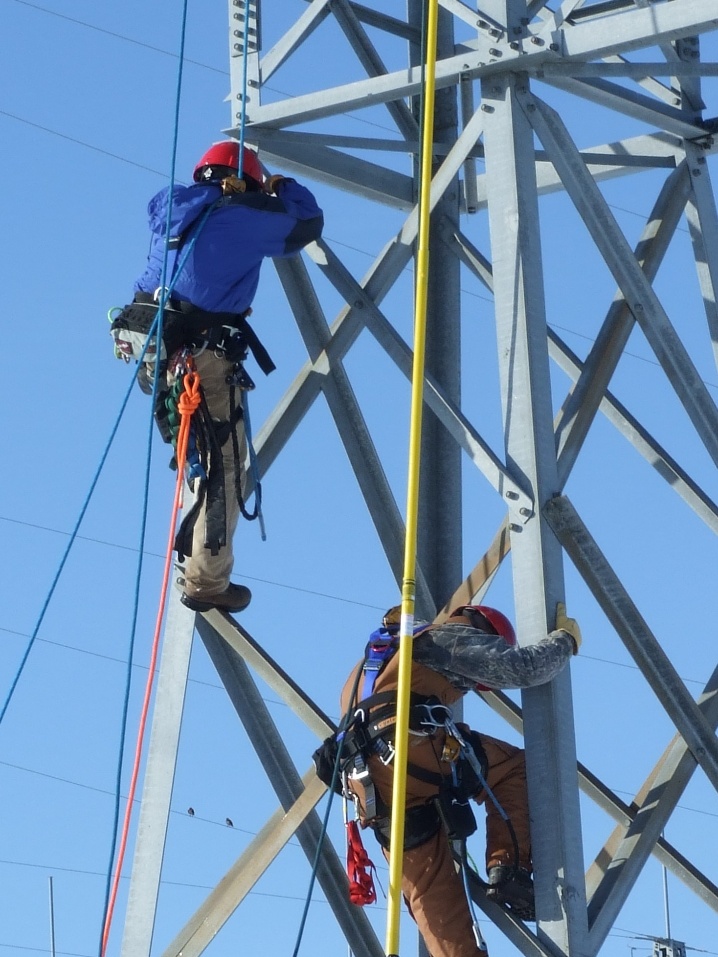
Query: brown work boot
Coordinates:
[513,887]
[233,598]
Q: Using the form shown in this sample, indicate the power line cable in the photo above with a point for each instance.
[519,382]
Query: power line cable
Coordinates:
[88,873]
[89,146]
[209,684]
[169,53]
[118,36]
[148,553]
[65,555]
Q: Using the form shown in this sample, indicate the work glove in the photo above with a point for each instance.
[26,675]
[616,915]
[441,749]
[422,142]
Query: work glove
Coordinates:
[272,183]
[232,184]
[569,625]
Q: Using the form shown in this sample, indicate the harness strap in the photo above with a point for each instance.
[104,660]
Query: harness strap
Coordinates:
[220,326]
[236,414]
[380,648]
[183,538]
[359,742]
[210,490]
[377,714]
[215,527]
[262,357]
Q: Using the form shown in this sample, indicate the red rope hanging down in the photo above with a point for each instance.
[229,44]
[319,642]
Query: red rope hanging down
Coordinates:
[187,403]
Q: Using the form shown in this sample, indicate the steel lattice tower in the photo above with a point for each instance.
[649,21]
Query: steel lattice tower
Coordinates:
[500,150]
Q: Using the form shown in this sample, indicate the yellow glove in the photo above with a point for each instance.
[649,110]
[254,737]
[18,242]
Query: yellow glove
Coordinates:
[569,625]
[272,183]
[233,184]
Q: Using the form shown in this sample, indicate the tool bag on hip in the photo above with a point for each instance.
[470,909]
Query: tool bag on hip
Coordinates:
[131,330]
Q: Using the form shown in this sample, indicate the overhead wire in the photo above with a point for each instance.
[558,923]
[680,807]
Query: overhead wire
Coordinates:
[151,554]
[123,661]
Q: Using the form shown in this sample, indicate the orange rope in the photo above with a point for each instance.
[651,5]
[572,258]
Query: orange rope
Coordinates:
[187,404]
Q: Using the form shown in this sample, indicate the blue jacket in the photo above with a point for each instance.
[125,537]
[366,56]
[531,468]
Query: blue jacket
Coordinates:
[222,271]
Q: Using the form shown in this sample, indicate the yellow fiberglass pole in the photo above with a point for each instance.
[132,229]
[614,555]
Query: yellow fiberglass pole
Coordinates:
[412,498]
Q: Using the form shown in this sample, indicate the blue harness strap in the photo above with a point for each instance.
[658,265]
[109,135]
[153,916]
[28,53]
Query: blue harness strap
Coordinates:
[380,647]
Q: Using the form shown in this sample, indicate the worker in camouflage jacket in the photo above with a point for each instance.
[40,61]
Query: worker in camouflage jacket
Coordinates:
[475,648]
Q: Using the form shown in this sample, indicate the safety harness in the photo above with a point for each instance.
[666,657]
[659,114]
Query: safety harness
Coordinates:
[367,731]
[188,330]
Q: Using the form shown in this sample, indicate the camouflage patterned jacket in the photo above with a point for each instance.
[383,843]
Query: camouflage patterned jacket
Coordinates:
[467,656]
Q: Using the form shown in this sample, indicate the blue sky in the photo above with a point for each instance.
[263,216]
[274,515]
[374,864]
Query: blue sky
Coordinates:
[87,121]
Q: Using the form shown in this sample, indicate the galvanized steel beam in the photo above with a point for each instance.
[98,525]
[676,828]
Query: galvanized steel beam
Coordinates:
[350,424]
[635,633]
[536,556]
[158,780]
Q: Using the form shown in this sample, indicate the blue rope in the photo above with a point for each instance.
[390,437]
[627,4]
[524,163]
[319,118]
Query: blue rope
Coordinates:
[317,854]
[478,937]
[71,542]
[164,296]
[243,118]
[253,468]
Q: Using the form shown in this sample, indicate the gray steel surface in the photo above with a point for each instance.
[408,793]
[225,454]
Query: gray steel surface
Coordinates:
[500,148]
[158,779]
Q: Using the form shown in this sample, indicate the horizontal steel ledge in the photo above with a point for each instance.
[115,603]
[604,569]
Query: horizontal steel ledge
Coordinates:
[382,89]
[634,71]
[638,106]
[662,149]
[636,28]
[285,143]
[321,163]
[626,31]
[289,139]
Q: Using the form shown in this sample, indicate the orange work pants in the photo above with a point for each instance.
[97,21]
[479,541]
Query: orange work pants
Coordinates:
[432,887]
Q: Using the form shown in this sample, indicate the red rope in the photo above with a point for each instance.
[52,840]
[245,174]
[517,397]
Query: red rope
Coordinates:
[188,401]
[361,882]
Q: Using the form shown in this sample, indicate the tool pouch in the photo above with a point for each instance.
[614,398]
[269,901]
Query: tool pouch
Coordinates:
[421,823]
[325,759]
[455,813]
[130,331]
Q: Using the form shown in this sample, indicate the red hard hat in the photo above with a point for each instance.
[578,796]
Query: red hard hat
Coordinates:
[496,619]
[500,623]
[226,153]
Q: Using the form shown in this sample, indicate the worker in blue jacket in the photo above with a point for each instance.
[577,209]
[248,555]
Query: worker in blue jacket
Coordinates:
[221,273]
[226,224]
